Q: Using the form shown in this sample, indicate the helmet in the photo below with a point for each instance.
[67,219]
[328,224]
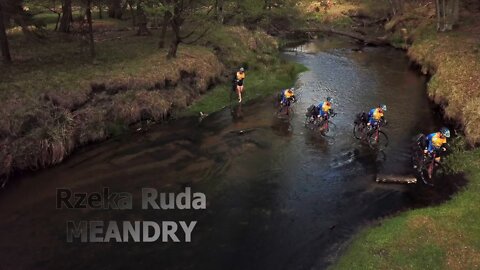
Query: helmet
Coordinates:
[445,132]
[242,69]
[383,107]
[292,89]
[329,99]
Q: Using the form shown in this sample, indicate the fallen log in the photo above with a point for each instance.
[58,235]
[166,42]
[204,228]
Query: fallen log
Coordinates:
[366,40]
[398,179]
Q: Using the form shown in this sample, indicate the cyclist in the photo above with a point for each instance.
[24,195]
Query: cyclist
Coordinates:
[436,140]
[287,96]
[376,115]
[240,76]
[325,108]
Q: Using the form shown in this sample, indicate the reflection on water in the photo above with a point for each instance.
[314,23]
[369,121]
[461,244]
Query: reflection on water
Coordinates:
[278,197]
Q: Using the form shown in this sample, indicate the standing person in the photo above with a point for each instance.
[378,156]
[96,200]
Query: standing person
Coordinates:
[240,77]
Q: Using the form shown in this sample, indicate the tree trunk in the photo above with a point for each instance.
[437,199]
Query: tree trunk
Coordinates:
[172,53]
[437,7]
[59,16]
[90,28]
[100,11]
[115,9]
[66,16]
[166,20]
[142,21]
[444,14]
[220,17]
[132,13]
[7,59]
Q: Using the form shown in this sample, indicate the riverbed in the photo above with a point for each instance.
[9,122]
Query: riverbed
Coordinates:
[278,196]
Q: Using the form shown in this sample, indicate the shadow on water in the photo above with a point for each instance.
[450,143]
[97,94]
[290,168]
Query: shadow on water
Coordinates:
[278,196]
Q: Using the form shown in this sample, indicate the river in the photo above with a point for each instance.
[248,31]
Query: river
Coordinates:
[278,197]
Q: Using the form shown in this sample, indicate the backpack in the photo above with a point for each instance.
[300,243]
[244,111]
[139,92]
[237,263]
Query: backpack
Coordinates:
[361,118]
[311,111]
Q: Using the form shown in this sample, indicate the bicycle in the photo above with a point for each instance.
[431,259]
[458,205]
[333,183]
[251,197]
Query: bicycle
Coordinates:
[287,106]
[374,136]
[427,165]
[322,124]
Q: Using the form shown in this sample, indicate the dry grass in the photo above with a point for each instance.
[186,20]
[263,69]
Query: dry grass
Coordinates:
[454,61]
[54,98]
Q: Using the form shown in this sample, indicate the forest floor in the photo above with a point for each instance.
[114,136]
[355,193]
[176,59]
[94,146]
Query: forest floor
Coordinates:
[54,98]
[445,236]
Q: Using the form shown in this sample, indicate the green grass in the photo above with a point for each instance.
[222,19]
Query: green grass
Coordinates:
[440,237]
[258,84]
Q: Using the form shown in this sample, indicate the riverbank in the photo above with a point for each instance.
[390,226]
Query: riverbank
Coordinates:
[445,236]
[438,237]
[55,99]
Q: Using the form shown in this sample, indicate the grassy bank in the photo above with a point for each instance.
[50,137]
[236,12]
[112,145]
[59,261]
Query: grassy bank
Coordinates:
[54,98]
[259,83]
[441,237]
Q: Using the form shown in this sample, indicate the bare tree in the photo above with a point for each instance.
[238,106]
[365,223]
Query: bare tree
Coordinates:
[132,12]
[88,12]
[67,17]
[219,10]
[181,10]
[115,9]
[142,20]
[167,16]
[447,14]
[52,7]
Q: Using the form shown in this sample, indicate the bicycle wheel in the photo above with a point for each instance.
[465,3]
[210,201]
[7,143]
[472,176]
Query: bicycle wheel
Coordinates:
[281,112]
[417,159]
[427,173]
[378,140]
[325,129]
[359,131]
[310,123]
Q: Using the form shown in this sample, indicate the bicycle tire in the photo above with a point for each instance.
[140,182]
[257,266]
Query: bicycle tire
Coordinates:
[382,141]
[358,131]
[331,127]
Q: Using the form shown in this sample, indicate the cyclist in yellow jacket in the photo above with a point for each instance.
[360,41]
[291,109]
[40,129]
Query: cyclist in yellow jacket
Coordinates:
[376,115]
[436,140]
[325,108]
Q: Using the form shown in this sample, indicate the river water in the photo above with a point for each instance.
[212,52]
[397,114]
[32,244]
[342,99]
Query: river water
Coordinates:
[278,197]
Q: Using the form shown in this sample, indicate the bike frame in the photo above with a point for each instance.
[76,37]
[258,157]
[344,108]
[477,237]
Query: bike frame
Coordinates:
[325,121]
[431,165]
[287,105]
